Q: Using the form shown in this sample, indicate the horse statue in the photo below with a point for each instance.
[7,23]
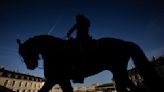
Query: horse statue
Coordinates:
[64,60]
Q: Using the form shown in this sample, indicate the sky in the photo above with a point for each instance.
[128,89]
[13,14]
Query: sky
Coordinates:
[139,21]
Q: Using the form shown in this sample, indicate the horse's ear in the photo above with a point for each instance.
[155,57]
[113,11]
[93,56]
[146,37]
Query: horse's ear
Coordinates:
[19,42]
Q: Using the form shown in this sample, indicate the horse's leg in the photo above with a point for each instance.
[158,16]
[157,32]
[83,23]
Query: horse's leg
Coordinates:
[65,84]
[123,82]
[120,85]
[47,86]
[129,84]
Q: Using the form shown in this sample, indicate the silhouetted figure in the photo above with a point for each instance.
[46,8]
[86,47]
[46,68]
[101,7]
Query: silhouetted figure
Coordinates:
[81,27]
[82,32]
[108,54]
[82,37]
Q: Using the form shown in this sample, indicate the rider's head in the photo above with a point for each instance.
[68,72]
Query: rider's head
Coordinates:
[80,17]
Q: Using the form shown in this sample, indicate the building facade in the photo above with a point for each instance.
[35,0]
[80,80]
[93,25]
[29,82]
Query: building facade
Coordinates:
[11,81]
[19,82]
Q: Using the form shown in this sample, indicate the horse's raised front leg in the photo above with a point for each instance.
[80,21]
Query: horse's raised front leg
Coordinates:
[66,85]
[47,86]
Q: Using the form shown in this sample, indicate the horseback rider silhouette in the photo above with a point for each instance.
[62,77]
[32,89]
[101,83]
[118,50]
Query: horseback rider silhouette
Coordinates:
[82,27]
[82,39]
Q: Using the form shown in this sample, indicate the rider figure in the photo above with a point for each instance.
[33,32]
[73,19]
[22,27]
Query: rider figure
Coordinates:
[82,38]
[82,27]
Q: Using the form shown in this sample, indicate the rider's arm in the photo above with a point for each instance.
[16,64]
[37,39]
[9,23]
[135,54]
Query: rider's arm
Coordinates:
[71,30]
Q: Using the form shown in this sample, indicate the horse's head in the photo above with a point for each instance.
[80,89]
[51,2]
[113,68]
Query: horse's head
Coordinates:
[29,54]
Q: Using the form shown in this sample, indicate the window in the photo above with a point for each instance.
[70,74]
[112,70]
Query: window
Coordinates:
[26,84]
[27,78]
[32,79]
[9,75]
[22,77]
[20,84]
[30,85]
[6,82]
[13,83]
[24,90]
[35,85]
[19,77]
[16,76]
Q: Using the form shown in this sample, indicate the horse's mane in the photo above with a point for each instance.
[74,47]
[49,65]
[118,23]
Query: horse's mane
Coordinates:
[37,38]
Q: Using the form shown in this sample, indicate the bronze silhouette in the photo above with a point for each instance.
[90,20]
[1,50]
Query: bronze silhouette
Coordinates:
[82,35]
[63,61]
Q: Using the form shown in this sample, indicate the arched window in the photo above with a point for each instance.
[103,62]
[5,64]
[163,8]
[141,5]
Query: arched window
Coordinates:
[24,90]
[26,84]
[6,82]
[20,84]
[35,85]
[13,83]
[30,84]
[15,76]
[17,90]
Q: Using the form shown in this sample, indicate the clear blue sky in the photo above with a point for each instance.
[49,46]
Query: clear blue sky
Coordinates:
[139,21]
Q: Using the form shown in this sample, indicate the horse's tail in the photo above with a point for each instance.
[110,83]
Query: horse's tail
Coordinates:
[143,65]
